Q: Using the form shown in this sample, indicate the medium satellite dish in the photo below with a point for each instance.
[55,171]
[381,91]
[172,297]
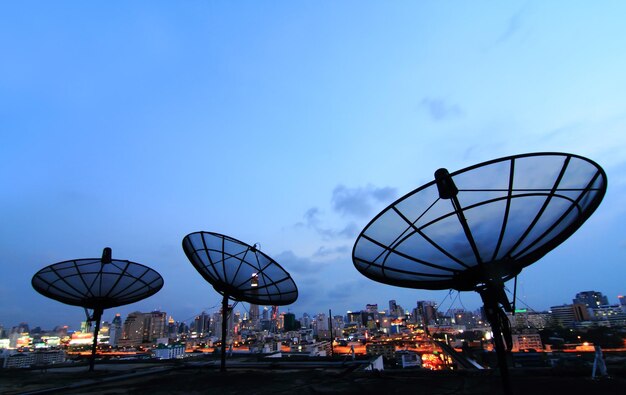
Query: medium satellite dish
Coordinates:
[478,227]
[98,284]
[239,272]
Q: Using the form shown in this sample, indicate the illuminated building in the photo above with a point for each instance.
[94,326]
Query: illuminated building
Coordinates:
[104,333]
[115,330]
[372,308]
[50,341]
[527,342]
[317,349]
[156,322]
[169,352]
[426,312]
[408,359]
[568,315]
[28,359]
[216,323]
[143,328]
[202,324]
[622,302]
[358,317]
[172,328]
[61,330]
[81,338]
[387,350]
[85,326]
[266,314]
[613,315]
[338,325]
[305,321]
[591,299]
[254,308]
[523,319]
[133,330]
[393,307]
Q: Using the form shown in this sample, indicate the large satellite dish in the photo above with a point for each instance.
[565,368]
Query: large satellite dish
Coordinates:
[97,284]
[478,227]
[239,272]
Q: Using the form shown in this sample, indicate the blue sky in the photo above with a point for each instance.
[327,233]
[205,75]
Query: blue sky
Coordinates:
[290,124]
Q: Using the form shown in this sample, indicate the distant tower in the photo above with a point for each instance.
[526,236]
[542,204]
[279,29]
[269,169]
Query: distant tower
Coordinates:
[254,308]
[172,328]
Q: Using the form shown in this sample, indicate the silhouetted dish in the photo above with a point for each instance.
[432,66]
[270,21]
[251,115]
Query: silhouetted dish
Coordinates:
[239,270]
[481,223]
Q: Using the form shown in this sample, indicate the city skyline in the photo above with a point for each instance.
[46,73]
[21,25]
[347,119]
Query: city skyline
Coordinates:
[290,125]
[450,303]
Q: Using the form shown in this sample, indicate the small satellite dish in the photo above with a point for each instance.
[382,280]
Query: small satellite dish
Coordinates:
[98,284]
[239,272]
[478,227]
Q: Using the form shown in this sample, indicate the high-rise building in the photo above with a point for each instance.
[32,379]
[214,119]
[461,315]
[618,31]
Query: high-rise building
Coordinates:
[266,314]
[567,315]
[290,322]
[254,308]
[201,324]
[155,324]
[132,330]
[591,299]
[427,311]
[172,328]
[524,320]
[613,315]
[393,307]
[372,308]
[104,332]
[305,321]
[141,328]
[115,331]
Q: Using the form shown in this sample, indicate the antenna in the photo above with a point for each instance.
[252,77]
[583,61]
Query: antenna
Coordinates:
[97,284]
[476,228]
[239,272]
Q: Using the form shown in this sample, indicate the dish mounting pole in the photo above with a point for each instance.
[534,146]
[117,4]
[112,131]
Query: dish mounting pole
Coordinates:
[224,324]
[97,317]
[492,293]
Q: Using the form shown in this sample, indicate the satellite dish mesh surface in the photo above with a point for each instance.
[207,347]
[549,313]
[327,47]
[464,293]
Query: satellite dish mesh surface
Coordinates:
[239,270]
[515,210]
[94,284]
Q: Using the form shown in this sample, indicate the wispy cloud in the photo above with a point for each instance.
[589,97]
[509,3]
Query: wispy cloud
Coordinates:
[359,201]
[514,24]
[440,110]
[295,264]
[325,252]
